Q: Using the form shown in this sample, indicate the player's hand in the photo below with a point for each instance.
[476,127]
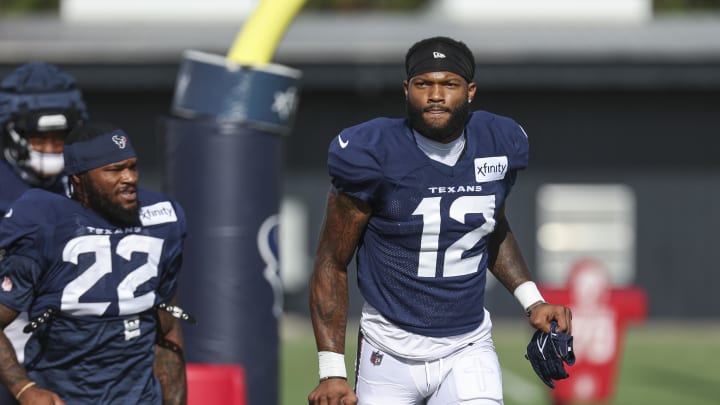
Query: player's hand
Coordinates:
[547,352]
[333,391]
[542,314]
[39,396]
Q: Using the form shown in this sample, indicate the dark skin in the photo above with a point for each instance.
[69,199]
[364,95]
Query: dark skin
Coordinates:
[47,142]
[169,366]
[13,375]
[345,220]
[436,94]
[119,181]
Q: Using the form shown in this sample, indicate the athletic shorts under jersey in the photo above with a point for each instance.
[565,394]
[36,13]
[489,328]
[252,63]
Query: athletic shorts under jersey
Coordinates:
[102,282]
[422,260]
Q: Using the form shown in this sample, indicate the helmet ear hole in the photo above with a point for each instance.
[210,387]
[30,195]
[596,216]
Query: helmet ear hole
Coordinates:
[16,146]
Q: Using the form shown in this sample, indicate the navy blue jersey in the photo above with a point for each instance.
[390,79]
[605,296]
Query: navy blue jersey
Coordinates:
[12,186]
[423,257]
[102,283]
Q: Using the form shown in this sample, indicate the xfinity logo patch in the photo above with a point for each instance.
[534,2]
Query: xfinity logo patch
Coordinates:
[159,213]
[490,168]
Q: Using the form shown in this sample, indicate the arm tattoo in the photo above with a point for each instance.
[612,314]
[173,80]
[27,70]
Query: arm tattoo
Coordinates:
[505,260]
[169,363]
[11,373]
[169,368]
[345,221]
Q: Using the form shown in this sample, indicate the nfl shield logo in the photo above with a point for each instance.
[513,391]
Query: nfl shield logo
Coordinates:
[7,284]
[376,358]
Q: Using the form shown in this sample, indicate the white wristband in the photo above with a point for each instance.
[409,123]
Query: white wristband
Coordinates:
[527,294]
[331,365]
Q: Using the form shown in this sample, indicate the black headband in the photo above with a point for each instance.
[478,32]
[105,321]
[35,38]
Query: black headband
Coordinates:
[440,54]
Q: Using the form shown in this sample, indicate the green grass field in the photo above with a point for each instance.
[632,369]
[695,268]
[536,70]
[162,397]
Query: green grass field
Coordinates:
[663,363]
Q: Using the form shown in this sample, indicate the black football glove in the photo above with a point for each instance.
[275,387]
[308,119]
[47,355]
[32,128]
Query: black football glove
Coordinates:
[547,352]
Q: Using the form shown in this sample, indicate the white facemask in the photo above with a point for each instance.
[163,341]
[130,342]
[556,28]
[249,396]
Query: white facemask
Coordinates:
[45,164]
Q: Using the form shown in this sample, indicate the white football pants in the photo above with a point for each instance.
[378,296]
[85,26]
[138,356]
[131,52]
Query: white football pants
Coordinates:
[470,376]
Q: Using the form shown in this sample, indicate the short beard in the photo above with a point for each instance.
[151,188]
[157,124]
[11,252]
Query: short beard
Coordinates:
[103,205]
[456,123]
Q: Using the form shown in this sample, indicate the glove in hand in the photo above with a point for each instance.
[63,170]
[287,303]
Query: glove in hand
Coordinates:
[547,352]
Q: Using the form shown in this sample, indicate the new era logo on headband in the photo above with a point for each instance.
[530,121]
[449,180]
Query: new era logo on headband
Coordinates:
[120,141]
[440,54]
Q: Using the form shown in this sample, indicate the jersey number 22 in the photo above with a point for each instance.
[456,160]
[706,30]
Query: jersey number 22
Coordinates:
[100,245]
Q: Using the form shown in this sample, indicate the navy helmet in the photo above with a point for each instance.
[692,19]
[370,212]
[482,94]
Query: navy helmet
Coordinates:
[37,97]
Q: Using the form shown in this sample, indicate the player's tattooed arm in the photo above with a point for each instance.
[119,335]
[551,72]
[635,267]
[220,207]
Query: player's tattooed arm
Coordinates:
[345,221]
[12,374]
[169,363]
[505,260]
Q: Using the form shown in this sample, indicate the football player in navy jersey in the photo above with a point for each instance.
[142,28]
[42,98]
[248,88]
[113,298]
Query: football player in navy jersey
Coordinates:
[39,105]
[97,274]
[420,202]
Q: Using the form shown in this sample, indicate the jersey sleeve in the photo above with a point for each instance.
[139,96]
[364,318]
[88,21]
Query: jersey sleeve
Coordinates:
[503,136]
[169,282]
[520,148]
[11,186]
[21,245]
[514,142]
[170,273]
[22,227]
[353,166]
[18,276]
